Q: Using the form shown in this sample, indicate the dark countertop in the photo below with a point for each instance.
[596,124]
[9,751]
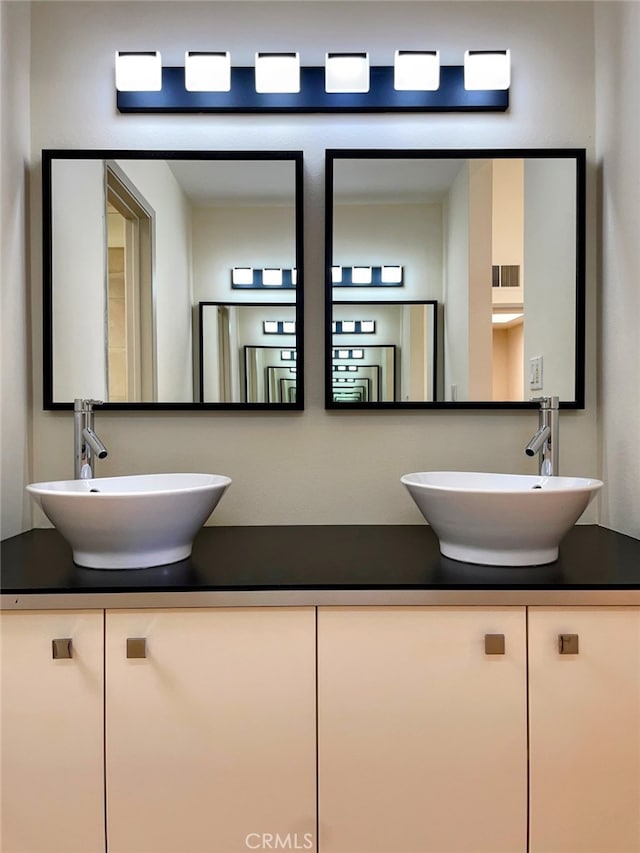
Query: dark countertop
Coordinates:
[313,558]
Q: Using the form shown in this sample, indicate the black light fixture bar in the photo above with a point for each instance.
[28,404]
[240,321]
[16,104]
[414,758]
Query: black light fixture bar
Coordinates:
[451,96]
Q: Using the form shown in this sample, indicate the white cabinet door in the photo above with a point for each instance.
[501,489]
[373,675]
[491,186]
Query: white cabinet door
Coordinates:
[422,735]
[210,738]
[585,730]
[52,770]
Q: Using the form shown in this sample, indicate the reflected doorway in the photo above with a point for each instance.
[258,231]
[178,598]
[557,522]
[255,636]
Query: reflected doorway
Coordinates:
[130,374]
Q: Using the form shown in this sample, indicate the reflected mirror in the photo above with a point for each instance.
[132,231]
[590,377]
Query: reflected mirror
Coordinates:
[457,277]
[164,273]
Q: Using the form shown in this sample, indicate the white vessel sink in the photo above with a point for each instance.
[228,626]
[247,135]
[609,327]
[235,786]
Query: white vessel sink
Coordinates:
[130,522]
[500,519]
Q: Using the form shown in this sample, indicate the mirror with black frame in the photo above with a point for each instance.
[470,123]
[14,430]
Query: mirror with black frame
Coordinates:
[163,272]
[468,265]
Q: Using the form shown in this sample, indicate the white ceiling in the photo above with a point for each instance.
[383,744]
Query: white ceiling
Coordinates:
[211,182]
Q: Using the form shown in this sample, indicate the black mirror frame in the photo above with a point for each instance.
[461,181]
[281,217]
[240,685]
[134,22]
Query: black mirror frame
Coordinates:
[50,154]
[577,154]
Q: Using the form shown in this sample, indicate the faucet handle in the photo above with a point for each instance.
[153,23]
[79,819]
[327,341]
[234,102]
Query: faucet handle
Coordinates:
[85,405]
[546,402]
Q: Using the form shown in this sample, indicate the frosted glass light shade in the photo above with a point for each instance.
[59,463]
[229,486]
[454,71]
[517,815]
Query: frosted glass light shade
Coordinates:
[361,275]
[242,275]
[272,277]
[138,71]
[346,72]
[368,326]
[416,70]
[289,327]
[336,275]
[277,72]
[207,71]
[487,69]
[391,275]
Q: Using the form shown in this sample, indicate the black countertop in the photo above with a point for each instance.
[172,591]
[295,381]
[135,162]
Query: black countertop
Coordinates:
[379,557]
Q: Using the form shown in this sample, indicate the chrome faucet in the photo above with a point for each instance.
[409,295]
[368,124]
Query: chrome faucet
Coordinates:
[545,441]
[86,443]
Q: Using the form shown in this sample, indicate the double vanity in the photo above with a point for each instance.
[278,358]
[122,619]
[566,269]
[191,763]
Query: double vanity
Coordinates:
[348,688]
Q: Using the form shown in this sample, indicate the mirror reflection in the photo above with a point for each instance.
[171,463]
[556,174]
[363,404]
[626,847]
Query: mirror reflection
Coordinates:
[467,265]
[159,268]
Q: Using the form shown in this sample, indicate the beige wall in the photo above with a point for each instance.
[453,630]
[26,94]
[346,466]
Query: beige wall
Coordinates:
[618,138]
[15,367]
[314,466]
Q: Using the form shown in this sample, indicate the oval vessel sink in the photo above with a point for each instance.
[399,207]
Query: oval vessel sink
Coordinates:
[130,522]
[500,519]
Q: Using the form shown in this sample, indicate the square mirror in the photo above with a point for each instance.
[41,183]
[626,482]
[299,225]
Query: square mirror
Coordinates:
[460,274]
[161,269]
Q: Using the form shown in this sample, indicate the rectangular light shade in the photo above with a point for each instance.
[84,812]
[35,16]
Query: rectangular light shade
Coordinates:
[270,327]
[289,327]
[272,277]
[487,69]
[368,326]
[138,71]
[207,71]
[346,72]
[416,70]
[242,275]
[336,275]
[391,275]
[361,275]
[277,72]
[348,325]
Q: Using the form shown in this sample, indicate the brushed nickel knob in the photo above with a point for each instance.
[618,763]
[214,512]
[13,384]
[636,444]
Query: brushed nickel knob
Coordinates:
[494,644]
[136,647]
[61,648]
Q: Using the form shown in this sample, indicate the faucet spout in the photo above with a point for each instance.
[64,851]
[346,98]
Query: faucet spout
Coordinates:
[545,441]
[86,442]
[537,441]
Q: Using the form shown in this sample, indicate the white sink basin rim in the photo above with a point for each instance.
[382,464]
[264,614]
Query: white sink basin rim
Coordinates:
[130,522]
[500,519]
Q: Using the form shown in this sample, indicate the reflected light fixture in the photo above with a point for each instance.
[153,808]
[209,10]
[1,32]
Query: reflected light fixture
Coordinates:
[487,69]
[416,70]
[391,275]
[272,277]
[207,71]
[242,275]
[138,71]
[289,327]
[346,72]
[277,73]
[361,275]
[368,326]
[336,275]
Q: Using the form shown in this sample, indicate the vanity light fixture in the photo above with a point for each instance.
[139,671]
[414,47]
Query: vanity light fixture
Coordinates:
[346,73]
[416,70]
[138,71]
[277,73]
[336,274]
[279,327]
[277,82]
[207,71]
[487,70]
[252,278]
[367,276]
[353,327]
[288,355]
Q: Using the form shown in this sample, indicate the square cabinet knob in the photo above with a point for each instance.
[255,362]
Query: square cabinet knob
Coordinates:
[494,644]
[136,647]
[61,649]
[568,644]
